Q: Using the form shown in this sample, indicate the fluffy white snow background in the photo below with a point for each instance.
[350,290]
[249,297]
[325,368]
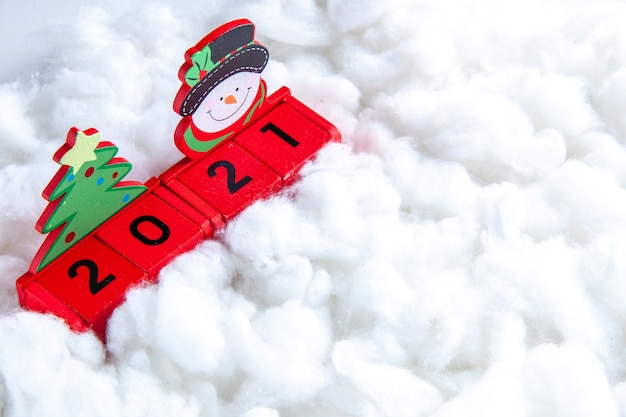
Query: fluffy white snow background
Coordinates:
[463,253]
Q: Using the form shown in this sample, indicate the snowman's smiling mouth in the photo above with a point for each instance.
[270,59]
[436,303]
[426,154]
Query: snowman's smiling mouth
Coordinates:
[235,111]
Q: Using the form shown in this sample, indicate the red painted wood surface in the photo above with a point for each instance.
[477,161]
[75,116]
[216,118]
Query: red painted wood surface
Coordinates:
[188,203]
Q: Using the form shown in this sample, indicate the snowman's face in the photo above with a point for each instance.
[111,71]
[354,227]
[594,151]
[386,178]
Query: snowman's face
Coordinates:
[227,102]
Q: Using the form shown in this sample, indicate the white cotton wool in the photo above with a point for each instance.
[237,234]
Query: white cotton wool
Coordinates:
[143,394]
[280,280]
[207,268]
[395,26]
[333,97]
[115,82]
[282,352]
[431,53]
[340,188]
[557,102]
[17,130]
[374,292]
[477,395]
[566,381]
[611,99]
[191,338]
[378,343]
[440,327]
[429,188]
[619,394]
[604,269]
[446,245]
[274,263]
[353,14]
[294,23]
[541,283]
[129,327]
[321,196]
[187,329]
[58,379]
[546,151]
[460,254]
[19,240]
[272,277]
[577,202]
[296,331]
[504,209]
[10,267]
[486,132]
[569,51]
[358,64]
[267,229]
[603,152]
[153,29]
[262,412]
[391,390]
[600,25]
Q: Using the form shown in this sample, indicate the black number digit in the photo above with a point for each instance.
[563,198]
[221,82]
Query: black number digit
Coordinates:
[233,184]
[95,285]
[134,230]
[280,133]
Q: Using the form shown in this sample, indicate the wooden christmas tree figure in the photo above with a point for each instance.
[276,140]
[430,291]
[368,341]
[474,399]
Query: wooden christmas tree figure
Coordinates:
[85,192]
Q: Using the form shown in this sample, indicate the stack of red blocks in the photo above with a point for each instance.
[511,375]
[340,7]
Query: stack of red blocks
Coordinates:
[187,204]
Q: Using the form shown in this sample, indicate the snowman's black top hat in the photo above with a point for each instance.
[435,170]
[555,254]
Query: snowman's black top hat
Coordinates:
[226,51]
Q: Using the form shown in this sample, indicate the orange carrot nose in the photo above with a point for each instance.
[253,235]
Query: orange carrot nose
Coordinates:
[230,99]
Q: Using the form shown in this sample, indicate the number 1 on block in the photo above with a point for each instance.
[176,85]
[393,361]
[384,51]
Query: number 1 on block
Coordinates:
[286,138]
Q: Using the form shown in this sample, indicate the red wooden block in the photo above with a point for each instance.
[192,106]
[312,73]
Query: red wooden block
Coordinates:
[37,298]
[287,136]
[168,178]
[150,233]
[20,285]
[34,297]
[83,286]
[228,178]
[188,211]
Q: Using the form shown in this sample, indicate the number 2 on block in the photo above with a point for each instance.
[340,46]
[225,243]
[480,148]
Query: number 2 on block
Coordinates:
[95,285]
[232,183]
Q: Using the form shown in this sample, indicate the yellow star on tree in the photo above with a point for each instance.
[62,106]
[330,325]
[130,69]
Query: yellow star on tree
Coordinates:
[82,151]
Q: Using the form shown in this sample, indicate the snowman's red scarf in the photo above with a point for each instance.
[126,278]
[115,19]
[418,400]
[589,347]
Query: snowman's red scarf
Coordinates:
[194,142]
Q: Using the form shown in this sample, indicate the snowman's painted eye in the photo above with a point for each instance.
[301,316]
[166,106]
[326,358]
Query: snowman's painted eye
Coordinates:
[237,89]
[221,98]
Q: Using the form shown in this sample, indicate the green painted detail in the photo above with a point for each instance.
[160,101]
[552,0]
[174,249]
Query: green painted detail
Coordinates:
[85,204]
[201,64]
[202,145]
[257,104]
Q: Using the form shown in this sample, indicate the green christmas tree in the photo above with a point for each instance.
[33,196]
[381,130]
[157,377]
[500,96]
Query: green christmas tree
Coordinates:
[85,192]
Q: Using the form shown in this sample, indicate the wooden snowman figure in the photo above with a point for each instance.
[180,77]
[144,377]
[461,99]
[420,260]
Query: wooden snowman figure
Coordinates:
[222,87]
